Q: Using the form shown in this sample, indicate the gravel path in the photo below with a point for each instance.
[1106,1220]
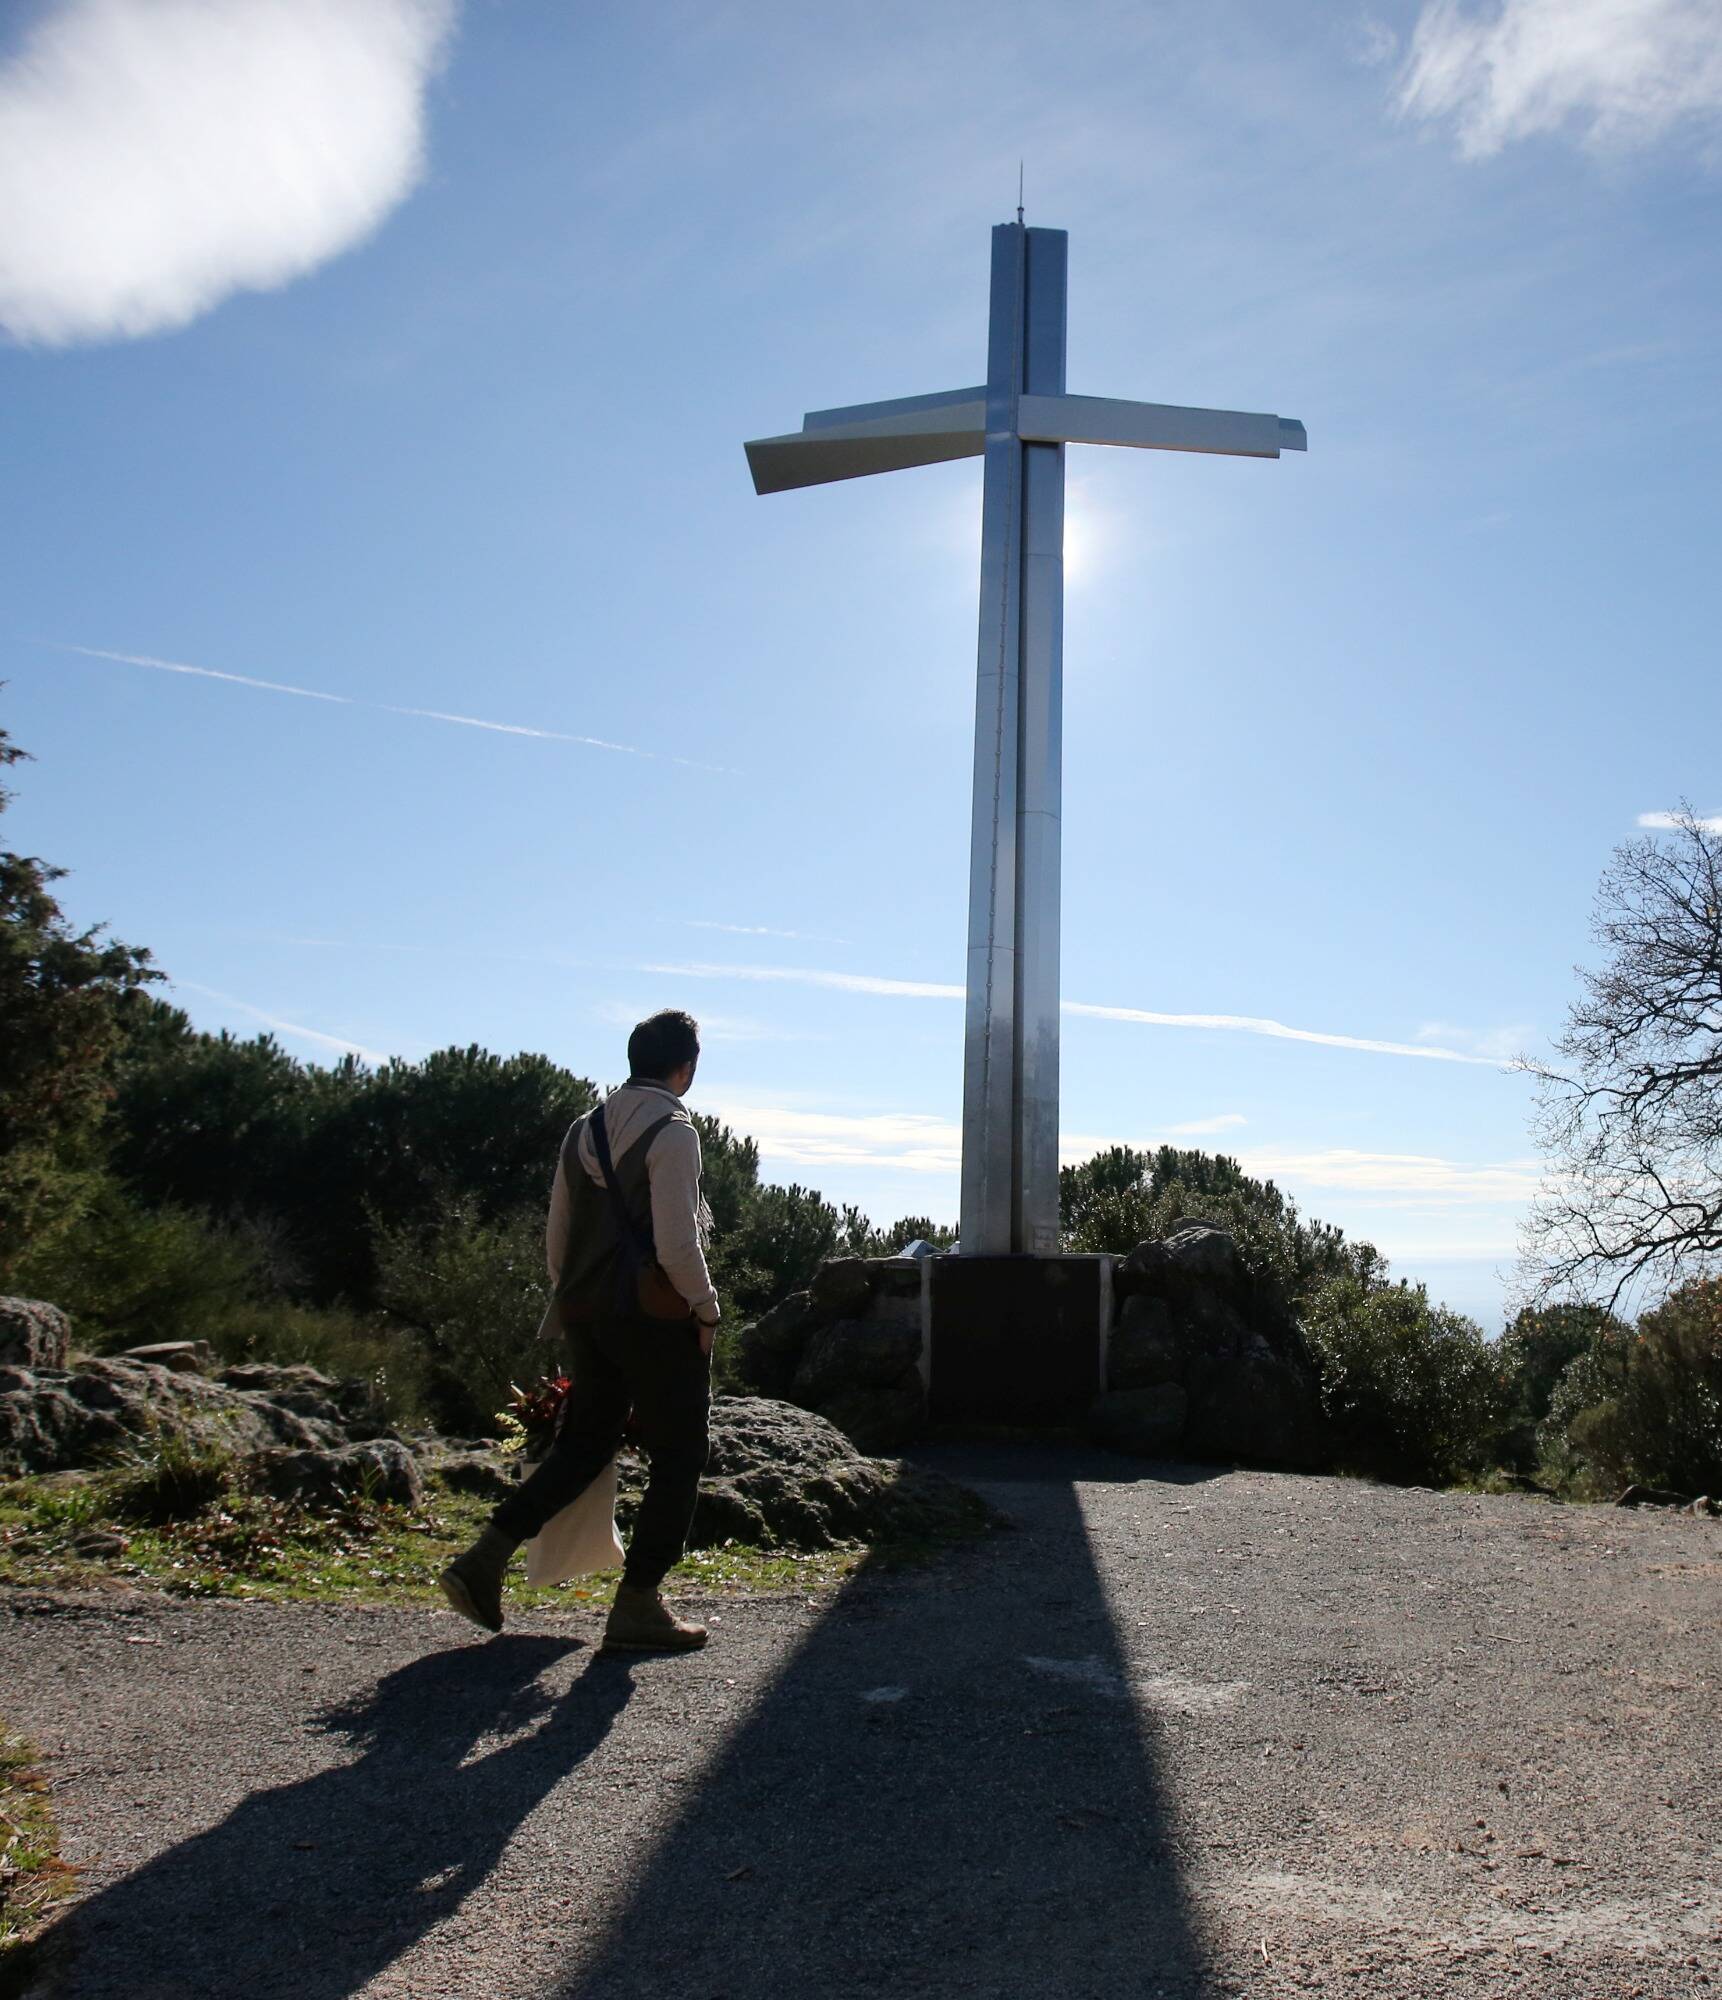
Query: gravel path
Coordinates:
[1172,1734]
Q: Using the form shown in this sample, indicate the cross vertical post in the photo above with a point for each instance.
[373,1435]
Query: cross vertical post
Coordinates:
[1010,1056]
[1018,421]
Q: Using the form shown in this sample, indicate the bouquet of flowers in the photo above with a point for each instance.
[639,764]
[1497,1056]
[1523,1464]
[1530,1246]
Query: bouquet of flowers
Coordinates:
[530,1421]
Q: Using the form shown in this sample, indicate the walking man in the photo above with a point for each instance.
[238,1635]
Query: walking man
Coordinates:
[634,1300]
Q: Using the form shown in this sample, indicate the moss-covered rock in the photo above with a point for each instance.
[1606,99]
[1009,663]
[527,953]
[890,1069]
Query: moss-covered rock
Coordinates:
[785,1478]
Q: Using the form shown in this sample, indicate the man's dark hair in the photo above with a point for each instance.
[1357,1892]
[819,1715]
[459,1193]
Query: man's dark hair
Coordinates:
[662,1043]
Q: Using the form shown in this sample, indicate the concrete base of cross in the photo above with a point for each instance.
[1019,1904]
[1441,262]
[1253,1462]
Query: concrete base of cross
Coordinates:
[1017,1340]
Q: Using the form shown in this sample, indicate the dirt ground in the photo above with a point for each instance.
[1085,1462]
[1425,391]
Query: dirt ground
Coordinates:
[1171,1732]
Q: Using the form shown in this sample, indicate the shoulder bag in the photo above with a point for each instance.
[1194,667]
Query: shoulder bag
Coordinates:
[645,1289]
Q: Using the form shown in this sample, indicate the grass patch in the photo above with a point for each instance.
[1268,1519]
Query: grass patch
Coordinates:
[181,1480]
[32,1875]
[60,1534]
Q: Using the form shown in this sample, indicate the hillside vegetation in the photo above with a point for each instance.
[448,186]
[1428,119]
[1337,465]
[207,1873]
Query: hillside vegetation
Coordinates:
[160,1183]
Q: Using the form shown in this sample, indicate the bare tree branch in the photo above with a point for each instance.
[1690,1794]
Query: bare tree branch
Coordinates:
[1631,1119]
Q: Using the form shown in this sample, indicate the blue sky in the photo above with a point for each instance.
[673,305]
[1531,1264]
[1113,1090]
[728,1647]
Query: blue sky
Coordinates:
[402,354]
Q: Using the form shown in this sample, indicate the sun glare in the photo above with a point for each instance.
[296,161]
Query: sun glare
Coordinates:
[1085,534]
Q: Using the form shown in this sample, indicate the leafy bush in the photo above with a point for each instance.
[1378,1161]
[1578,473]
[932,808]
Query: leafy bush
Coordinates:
[1413,1389]
[473,1294]
[67,1508]
[242,1129]
[1122,1197]
[1645,1406]
[1535,1353]
[462,1131]
[363,1347]
[1587,1388]
[1671,1410]
[780,1238]
[128,1274]
[62,993]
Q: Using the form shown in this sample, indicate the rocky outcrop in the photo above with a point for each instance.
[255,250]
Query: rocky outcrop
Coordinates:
[1149,1422]
[192,1357]
[60,1418]
[469,1466]
[377,1470]
[33,1334]
[1206,1360]
[848,1348]
[781,1477]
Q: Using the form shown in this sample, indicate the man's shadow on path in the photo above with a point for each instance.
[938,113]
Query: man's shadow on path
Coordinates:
[315,1887]
[948,1787]
[951,1787]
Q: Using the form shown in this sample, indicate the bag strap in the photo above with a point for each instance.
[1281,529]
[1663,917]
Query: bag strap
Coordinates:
[618,1207]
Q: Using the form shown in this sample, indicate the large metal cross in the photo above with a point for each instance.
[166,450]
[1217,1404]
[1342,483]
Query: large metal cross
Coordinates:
[1021,419]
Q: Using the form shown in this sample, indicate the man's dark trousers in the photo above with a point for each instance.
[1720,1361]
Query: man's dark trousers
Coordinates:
[656,1369]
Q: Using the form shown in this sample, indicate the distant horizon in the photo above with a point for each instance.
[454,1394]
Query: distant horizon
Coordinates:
[1473,1284]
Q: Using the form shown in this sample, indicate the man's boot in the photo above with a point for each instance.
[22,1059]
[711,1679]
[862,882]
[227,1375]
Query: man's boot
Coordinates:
[641,1622]
[472,1583]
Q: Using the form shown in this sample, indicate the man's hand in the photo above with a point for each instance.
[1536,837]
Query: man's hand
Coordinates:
[708,1327]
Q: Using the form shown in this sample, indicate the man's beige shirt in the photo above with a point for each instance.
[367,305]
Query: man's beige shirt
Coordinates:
[680,1219]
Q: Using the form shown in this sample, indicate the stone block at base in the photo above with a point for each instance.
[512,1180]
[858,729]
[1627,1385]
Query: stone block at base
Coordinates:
[1016,1340]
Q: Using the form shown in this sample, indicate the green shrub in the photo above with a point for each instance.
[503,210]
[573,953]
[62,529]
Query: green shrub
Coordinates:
[240,1127]
[1123,1197]
[67,1508]
[1645,1406]
[182,1477]
[857,1237]
[1535,1353]
[62,995]
[128,1275]
[472,1295]
[363,1347]
[1413,1389]
[780,1237]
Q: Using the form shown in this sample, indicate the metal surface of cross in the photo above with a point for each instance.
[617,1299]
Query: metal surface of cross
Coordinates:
[1020,419]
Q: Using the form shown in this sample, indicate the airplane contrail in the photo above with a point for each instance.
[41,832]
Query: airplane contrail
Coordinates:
[387,707]
[923,989]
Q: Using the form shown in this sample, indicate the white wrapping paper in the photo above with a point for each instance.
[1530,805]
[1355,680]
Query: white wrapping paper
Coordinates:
[579,1540]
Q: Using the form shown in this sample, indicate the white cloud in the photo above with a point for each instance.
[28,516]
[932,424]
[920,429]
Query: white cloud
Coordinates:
[157,156]
[714,1028]
[315,1036]
[1621,72]
[1399,1179]
[906,1142]
[922,989]
[1400,1200]
[1224,1121]
[1075,1147]
[1373,43]
[1251,1024]
[837,982]
[1665,822]
[1496,1045]
[762,930]
[389,707]
[1385,1180]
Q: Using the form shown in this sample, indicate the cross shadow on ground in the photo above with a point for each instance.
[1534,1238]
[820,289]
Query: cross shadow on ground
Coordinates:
[950,1788]
[313,1888]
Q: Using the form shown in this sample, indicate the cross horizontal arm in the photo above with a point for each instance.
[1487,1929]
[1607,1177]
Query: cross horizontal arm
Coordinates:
[871,437]
[861,438]
[1156,426]
[901,406]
